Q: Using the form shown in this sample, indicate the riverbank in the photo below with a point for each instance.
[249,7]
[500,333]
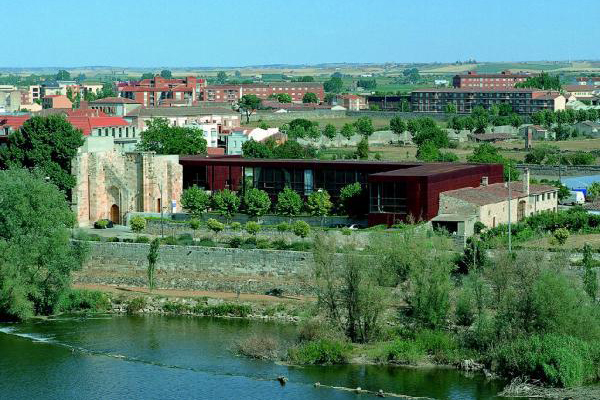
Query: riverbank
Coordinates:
[427,350]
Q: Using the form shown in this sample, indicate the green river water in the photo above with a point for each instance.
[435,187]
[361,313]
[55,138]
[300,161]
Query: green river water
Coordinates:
[169,357]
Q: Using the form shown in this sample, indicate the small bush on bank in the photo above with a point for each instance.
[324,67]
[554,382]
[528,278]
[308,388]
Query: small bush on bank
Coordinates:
[263,244]
[195,224]
[235,242]
[215,225]
[252,227]
[440,345]
[113,239]
[137,224]
[84,300]
[403,352]
[555,359]
[185,239]
[136,305]
[258,346]
[206,242]
[223,309]
[320,352]
[169,240]
[142,239]
[235,226]
[279,244]
[301,229]
[175,307]
[283,227]
[300,246]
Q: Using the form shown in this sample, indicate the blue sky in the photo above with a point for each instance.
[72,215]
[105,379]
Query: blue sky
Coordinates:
[177,33]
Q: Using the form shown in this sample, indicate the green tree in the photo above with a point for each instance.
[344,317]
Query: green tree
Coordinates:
[63,75]
[397,125]
[329,131]
[347,131]
[450,108]
[108,90]
[334,85]
[248,104]
[254,149]
[590,278]
[364,126]
[368,84]
[36,253]
[46,144]
[348,291]
[215,225]
[221,77]
[319,203]
[362,149]
[153,253]
[353,199]
[165,73]
[147,75]
[284,98]
[542,81]
[289,203]
[256,202]
[195,200]
[488,154]
[310,98]
[226,203]
[306,79]
[163,138]
[428,152]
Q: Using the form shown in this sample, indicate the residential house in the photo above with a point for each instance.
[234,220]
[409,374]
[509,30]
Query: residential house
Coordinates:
[490,202]
[225,118]
[353,102]
[210,132]
[56,101]
[116,106]
[581,92]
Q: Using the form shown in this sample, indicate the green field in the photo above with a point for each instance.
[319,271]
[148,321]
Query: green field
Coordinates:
[499,67]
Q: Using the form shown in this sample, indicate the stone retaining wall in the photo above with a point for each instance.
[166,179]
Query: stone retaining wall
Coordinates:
[199,268]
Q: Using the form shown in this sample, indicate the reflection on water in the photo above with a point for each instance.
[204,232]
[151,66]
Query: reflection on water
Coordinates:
[161,357]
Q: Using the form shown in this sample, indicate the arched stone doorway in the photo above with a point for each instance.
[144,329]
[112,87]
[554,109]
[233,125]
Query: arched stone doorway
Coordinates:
[115,215]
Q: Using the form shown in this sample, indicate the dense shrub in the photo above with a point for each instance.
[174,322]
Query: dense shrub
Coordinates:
[215,225]
[185,239]
[195,224]
[223,309]
[175,307]
[169,240]
[142,239]
[321,352]
[101,224]
[83,300]
[258,346]
[442,346]
[235,242]
[137,224]
[555,359]
[561,235]
[403,352]
[263,244]
[235,226]
[301,229]
[136,305]
[206,242]
[252,227]
[113,239]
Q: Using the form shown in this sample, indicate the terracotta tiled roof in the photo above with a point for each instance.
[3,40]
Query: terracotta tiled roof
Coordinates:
[114,100]
[496,193]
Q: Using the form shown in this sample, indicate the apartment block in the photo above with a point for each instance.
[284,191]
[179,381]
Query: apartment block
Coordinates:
[523,101]
[505,79]
[232,93]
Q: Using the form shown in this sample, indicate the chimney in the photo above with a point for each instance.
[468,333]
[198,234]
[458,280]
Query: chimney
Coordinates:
[484,181]
[526,182]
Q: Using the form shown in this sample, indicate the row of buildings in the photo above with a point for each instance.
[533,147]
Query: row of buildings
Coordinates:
[111,184]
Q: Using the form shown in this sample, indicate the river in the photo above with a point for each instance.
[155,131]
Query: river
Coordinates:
[172,357]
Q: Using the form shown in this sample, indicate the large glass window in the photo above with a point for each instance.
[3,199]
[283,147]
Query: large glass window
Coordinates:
[388,197]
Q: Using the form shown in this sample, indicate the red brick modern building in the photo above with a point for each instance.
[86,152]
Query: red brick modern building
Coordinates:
[505,79]
[232,93]
[523,101]
[395,190]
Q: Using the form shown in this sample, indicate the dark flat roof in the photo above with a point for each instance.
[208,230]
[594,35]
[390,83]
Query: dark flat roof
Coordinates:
[378,170]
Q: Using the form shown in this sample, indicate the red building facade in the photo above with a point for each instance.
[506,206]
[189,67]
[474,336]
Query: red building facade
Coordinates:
[505,79]
[395,191]
[232,93]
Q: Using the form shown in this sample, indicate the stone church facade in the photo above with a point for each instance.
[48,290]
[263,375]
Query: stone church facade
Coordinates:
[111,183]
